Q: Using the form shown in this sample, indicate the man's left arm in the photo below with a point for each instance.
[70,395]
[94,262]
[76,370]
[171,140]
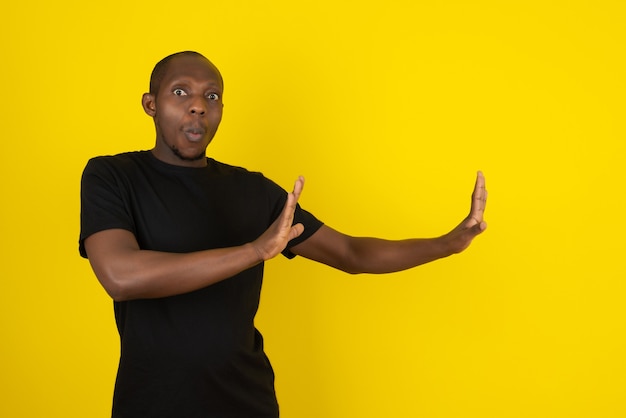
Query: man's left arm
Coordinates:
[376,255]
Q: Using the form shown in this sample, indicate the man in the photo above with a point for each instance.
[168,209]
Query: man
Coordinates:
[178,240]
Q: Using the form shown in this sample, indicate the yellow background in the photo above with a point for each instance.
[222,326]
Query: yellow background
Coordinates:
[388,108]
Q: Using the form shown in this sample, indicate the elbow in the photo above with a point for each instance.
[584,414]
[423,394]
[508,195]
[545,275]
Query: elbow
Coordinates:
[351,262]
[119,295]
[118,287]
[117,290]
[352,267]
[352,270]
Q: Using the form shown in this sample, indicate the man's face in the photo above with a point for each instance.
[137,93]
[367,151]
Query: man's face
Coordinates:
[187,110]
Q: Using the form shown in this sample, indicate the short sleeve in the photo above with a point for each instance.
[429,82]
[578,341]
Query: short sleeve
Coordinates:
[311,225]
[103,201]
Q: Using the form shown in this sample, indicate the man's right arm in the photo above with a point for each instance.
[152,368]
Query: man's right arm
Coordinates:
[127,272]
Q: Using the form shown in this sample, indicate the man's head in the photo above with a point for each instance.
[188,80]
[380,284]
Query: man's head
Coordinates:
[160,69]
[185,101]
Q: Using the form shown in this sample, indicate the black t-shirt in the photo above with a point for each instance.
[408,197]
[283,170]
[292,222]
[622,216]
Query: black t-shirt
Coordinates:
[196,354]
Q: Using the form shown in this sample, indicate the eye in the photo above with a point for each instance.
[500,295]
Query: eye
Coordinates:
[179,92]
[213,96]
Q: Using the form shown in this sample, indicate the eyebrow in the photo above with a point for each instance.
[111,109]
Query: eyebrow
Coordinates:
[189,81]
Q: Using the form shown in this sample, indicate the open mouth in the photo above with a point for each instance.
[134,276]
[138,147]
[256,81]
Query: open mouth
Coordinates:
[194,134]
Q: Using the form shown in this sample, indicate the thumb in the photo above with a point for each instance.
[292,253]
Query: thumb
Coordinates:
[479,227]
[295,231]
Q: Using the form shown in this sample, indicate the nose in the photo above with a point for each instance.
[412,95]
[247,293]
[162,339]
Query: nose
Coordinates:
[197,107]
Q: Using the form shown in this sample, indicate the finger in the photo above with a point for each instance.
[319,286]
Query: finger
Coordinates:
[479,186]
[479,198]
[292,198]
[290,205]
[482,187]
[298,186]
[485,200]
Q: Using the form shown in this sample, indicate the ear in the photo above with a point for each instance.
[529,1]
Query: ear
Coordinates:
[149,104]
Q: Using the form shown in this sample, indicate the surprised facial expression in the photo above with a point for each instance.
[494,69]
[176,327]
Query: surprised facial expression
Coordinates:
[187,110]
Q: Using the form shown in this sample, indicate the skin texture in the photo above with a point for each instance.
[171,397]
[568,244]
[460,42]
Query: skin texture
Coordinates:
[187,111]
[375,255]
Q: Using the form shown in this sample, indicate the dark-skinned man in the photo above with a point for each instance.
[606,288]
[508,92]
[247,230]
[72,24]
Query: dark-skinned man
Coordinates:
[178,240]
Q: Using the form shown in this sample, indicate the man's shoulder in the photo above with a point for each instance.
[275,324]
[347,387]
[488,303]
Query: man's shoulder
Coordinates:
[118,163]
[131,157]
[243,177]
[225,168]
[134,164]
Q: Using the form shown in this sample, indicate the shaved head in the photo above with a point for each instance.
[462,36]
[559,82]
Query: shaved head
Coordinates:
[160,69]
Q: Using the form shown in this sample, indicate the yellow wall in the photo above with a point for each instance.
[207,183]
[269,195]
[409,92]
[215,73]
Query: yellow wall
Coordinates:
[388,108]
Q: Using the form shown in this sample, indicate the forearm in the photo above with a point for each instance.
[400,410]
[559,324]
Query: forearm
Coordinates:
[370,255]
[373,255]
[130,273]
